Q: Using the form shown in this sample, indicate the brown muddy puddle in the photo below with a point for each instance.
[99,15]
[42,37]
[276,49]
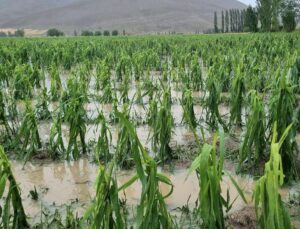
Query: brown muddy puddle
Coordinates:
[72,183]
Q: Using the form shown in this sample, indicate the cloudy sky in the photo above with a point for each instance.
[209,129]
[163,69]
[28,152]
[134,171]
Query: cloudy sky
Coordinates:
[247,2]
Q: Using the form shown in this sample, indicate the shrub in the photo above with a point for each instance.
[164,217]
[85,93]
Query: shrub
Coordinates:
[87,33]
[106,33]
[19,33]
[115,33]
[3,34]
[98,33]
[54,33]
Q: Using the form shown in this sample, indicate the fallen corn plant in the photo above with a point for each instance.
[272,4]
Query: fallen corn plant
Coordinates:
[269,208]
[237,97]
[12,211]
[55,83]
[196,74]
[42,110]
[209,171]
[211,104]
[106,211]
[29,134]
[104,140]
[75,115]
[188,108]
[151,211]
[56,143]
[124,144]
[282,106]
[162,129]
[255,131]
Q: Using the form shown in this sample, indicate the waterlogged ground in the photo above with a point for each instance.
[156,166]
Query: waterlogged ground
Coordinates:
[72,183]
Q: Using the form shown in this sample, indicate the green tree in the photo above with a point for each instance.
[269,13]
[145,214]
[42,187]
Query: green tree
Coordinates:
[275,8]
[54,33]
[115,33]
[216,29]
[87,33]
[106,33]
[227,21]
[250,23]
[3,34]
[231,20]
[223,22]
[98,33]
[265,14]
[288,16]
[19,33]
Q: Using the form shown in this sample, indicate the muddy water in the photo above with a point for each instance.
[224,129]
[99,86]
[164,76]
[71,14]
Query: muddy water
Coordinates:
[71,183]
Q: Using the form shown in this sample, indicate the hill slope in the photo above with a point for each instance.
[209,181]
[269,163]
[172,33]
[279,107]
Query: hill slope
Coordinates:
[135,16]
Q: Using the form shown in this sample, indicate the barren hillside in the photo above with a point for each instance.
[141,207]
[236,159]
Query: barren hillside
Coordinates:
[135,16]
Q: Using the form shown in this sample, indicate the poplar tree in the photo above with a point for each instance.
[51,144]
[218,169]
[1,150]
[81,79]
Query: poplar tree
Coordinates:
[216,23]
[223,22]
[227,21]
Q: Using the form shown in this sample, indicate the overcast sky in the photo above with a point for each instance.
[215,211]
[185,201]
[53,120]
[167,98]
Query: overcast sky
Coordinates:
[247,2]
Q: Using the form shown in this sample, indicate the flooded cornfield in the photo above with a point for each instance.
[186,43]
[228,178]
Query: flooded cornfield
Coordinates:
[141,132]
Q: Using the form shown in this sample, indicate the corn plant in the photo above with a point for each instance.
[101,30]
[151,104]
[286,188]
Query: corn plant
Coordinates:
[152,113]
[56,143]
[269,208]
[55,83]
[209,171]
[124,90]
[12,212]
[124,144]
[104,140]
[42,110]
[138,95]
[282,106]
[255,130]
[105,212]
[237,97]
[212,101]
[29,133]
[123,68]
[22,85]
[162,128]
[196,75]
[3,118]
[73,103]
[151,211]
[188,108]
[149,87]
[184,78]
[76,117]
[102,75]
[36,77]
[108,96]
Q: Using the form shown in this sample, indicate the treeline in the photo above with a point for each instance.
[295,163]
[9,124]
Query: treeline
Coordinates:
[56,33]
[271,15]
[231,21]
[99,33]
[17,33]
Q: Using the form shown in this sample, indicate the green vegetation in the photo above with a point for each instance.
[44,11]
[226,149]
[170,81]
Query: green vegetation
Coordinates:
[13,213]
[54,33]
[270,209]
[138,103]
[209,171]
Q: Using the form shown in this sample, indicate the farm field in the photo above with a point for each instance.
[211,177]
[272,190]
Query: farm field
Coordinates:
[150,131]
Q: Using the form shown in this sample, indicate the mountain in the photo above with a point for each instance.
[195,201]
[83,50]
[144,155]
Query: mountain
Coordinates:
[134,16]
